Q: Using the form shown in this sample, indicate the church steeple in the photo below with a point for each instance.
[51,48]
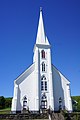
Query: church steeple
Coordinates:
[41,37]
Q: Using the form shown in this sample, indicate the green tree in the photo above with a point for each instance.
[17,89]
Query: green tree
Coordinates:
[76,107]
[8,102]
[2,102]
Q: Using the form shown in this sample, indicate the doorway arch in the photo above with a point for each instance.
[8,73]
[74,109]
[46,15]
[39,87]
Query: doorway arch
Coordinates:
[43,102]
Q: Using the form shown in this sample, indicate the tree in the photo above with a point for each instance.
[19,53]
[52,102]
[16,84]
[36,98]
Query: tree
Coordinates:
[76,106]
[2,102]
[8,102]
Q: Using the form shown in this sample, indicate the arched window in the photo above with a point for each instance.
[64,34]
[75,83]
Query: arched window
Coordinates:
[43,78]
[43,83]
[43,54]
[60,103]
[44,97]
[44,102]
[43,66]
[24,103]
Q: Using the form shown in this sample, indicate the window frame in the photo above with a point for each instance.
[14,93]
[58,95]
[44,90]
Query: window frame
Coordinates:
[43,67]
[43,83]
[43,54]
[44,102]
[24,103]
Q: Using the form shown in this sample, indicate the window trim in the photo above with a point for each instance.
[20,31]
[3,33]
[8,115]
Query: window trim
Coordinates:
[43,83]
[44,102]
[43,67]
[43,54]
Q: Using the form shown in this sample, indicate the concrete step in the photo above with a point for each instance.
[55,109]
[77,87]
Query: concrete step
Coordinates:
[24,116]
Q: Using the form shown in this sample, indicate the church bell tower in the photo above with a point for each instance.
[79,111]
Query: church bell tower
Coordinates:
[43,69]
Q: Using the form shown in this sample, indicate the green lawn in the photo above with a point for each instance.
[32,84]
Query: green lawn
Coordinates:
[5,111]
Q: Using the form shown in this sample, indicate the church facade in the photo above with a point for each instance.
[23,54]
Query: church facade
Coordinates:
[42,85]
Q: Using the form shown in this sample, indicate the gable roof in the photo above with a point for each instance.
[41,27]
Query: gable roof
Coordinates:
[25,74]
[66,80]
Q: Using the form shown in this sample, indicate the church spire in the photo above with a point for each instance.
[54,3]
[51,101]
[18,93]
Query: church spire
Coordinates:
[41,39]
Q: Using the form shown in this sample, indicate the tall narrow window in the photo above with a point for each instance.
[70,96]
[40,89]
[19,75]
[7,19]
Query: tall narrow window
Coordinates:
[43,66]
[45,85]
[43,54]
[42,85]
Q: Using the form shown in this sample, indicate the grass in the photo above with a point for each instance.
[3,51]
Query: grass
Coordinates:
[5,111]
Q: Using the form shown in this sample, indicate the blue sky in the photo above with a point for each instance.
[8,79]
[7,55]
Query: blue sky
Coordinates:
[18,29]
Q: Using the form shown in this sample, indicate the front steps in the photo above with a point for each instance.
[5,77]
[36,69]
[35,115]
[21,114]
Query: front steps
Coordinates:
[24,116]
[31,116]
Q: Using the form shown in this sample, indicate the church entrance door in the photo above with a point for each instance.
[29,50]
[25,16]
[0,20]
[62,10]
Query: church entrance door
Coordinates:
[44,102]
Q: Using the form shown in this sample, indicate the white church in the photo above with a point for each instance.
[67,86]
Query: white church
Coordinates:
[41,86]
